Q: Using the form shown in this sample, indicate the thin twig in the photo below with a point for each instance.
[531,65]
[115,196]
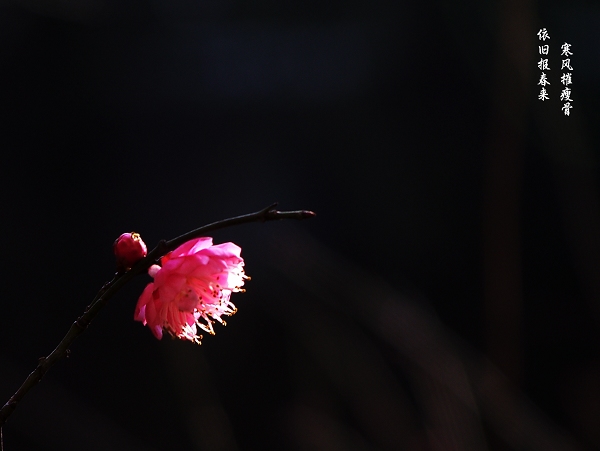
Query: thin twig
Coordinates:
[119,280]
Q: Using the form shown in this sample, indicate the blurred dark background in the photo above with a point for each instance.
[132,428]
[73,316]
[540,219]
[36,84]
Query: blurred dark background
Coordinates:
[446,297]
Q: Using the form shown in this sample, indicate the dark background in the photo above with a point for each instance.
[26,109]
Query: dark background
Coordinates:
[446,297]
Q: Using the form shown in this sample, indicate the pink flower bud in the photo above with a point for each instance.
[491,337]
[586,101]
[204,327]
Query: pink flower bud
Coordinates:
[129,248]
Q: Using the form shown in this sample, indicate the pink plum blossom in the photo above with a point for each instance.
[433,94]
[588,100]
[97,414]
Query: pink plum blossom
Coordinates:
[191,289]
[128,249]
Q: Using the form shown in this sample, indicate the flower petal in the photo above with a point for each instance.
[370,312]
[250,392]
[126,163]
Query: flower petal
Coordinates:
[140,308]
[192,246]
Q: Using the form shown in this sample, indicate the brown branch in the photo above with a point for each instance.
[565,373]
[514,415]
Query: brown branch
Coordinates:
[120,279]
